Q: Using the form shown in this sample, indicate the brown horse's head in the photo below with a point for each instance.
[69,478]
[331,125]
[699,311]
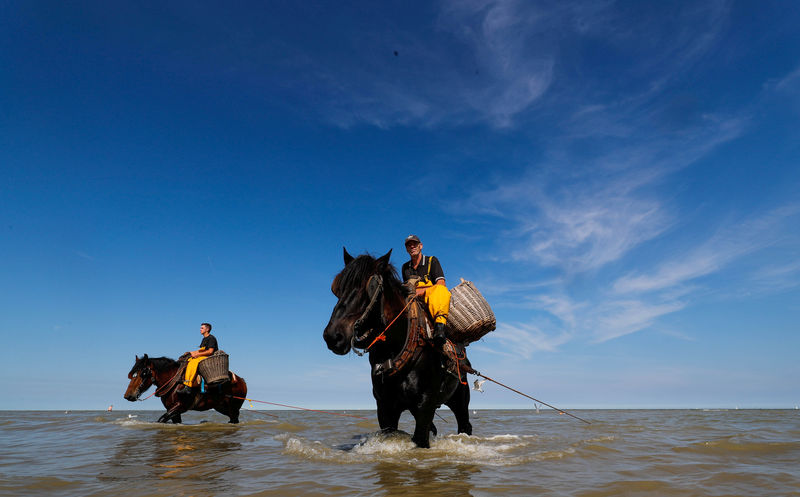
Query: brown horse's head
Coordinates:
[141,376]
[350,286]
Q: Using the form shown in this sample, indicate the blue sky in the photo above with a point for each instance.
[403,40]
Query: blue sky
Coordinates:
[619,178]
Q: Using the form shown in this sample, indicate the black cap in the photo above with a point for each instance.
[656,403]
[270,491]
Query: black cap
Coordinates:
[412,238]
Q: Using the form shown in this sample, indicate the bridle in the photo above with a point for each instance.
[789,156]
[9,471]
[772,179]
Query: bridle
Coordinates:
[147,373]
[375,293]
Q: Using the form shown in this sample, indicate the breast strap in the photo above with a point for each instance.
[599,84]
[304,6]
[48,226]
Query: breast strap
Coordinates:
[413,345]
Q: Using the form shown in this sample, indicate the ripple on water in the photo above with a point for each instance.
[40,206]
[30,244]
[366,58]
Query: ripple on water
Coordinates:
[730,446]
[397,447]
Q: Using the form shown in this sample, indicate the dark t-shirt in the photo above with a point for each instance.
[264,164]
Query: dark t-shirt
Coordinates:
[429,270]
[209,342]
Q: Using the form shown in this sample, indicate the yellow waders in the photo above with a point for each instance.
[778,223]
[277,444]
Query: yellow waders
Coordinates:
[437,298]
[191,370]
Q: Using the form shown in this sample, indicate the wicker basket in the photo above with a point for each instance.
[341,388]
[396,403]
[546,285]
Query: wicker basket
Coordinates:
[470,316]
[215,368]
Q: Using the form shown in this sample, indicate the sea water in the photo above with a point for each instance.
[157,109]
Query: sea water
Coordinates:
[293,453]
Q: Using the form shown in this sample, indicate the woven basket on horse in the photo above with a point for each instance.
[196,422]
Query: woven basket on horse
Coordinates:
[470,316]
[215,368]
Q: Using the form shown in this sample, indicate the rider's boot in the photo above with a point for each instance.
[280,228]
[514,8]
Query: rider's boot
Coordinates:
[439,338]
[184,389]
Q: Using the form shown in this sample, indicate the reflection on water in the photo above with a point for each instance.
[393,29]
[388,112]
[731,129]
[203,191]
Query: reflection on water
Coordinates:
[395,480]
[175,454]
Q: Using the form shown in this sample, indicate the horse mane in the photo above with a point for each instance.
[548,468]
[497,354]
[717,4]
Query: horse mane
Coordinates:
[162,363]
[359,270]
[159,363]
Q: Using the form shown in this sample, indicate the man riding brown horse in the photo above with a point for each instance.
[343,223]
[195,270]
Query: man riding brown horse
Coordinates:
[207,347]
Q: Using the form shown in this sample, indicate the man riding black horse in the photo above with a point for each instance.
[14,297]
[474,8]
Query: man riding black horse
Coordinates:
[425,275]
[375,313]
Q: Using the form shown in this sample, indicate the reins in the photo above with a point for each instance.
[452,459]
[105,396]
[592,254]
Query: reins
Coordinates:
[382,336]
[373,300]
[377,292]
[375,286]
[168,384]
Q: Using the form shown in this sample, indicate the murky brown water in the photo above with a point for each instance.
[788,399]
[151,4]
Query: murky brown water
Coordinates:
[642,452]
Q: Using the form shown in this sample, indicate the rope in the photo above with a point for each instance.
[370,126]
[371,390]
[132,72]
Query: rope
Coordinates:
[295,407]
[458,365]
[382,336]
[477,373]
[259,412]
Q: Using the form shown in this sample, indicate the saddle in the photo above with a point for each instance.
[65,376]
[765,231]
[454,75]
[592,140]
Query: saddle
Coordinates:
[420,335]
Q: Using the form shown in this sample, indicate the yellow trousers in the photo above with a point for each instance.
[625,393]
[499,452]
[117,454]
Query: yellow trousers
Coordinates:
[437,298]
[191,370]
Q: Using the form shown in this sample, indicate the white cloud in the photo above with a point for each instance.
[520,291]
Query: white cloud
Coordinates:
[526,339]
[672,273]
[724,247]
[622,317]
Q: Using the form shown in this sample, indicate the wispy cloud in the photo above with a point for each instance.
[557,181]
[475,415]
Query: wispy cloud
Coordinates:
[598,196]
[526,339]
[479,62]
[617,318]
[636,301]
[83,255]
[775,278]
[725,246]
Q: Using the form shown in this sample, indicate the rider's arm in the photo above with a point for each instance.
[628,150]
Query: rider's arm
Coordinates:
[436,273]
[202,352]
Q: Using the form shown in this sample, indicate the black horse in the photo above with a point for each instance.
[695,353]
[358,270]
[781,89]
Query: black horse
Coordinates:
[408,373]
[166,374]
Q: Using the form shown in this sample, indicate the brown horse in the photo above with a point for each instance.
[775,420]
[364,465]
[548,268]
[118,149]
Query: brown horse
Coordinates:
[163,372]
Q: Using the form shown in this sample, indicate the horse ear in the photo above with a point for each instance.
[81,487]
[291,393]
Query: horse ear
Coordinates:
[144,357]
[347,257]
[383,262]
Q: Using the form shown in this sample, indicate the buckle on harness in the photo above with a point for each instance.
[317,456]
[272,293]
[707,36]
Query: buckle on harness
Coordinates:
[382,368]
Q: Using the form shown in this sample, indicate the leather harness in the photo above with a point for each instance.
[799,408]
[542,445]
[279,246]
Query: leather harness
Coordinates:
[412,348]
[415,335]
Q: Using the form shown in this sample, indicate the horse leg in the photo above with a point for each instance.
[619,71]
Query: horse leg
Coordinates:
[459,404]
[231,404]
[229,410]
[432,428]
[424,421]
[173,414]
[388,415]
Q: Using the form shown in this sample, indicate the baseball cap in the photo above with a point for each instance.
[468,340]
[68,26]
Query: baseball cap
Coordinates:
[412,238]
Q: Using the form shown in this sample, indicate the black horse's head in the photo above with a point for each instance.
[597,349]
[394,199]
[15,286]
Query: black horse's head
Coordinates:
[141,376]
[355,287]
